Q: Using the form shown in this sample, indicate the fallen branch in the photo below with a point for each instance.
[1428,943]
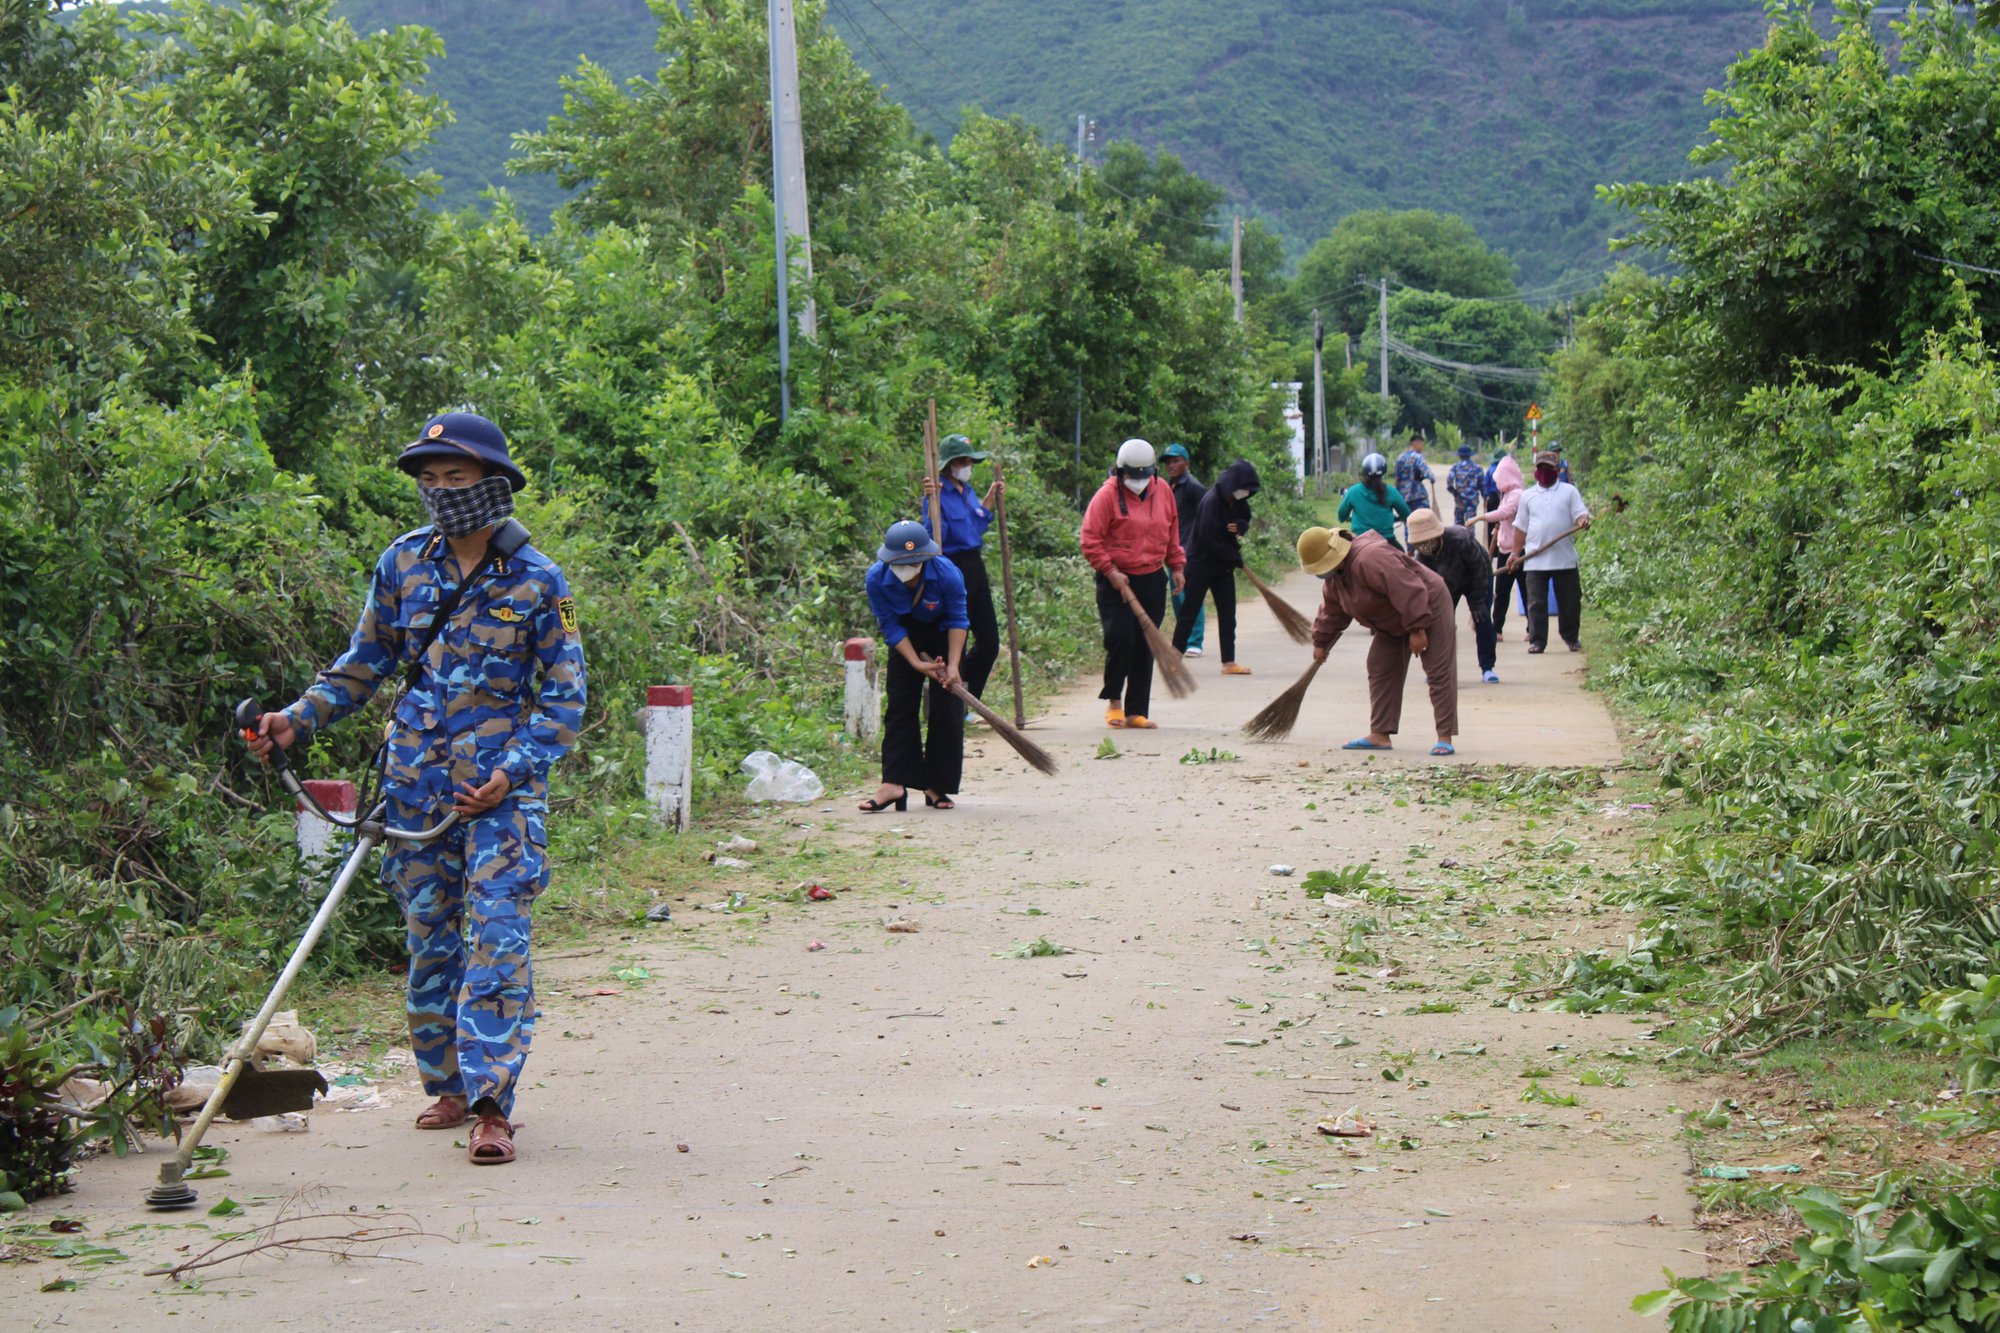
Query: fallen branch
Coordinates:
[340,1240]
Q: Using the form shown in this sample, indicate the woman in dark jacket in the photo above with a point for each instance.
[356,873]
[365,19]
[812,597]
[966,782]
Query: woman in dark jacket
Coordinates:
[1214,554]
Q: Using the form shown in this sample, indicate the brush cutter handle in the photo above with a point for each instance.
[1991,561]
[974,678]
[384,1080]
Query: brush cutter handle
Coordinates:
[249,719]
[249,714]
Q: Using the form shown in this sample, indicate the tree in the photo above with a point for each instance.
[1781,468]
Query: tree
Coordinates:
[1421,249]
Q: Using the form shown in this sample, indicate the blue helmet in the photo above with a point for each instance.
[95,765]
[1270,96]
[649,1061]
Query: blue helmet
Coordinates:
[906,543]
[462,435]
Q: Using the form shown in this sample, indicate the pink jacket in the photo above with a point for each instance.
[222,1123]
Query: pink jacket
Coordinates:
[1507,480]
[1135,535]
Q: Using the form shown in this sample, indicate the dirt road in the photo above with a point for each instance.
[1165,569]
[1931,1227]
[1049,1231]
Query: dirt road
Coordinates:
[923,1131]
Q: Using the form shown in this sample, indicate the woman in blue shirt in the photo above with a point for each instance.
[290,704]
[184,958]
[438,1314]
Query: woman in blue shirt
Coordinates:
[918,598]
[966,516]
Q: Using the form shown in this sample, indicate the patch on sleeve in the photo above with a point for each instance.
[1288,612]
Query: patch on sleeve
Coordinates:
[566,608]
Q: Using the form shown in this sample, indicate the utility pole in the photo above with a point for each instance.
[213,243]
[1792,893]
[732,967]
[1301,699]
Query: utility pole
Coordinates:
[1384,337]
[1077,448]
[1319,408]
[1236,268]
[788,188]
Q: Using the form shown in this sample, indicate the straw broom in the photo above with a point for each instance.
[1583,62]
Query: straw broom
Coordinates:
[1041,760]
[1173,671]
[1289,617]
[1276,719]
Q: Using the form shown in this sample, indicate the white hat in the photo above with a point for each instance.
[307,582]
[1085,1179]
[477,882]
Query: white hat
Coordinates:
[1135,453]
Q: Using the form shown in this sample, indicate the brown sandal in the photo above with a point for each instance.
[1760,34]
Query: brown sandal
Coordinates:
[444,1113]
[491,1141]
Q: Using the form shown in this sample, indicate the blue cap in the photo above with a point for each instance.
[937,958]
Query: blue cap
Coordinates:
[1174,451]
[906,543]
[1465,451]
[462,435]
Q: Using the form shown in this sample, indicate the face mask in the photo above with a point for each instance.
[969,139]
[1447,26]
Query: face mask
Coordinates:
[962,473]
[1240,495]
[907,573]
[1545,473]
[459,511]
[1137,485]
[1429,548]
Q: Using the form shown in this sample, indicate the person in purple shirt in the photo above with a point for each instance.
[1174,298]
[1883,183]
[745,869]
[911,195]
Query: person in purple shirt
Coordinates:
[918,598]
[967,515]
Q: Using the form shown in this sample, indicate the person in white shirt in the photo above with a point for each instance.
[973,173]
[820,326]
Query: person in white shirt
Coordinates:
[1549,512]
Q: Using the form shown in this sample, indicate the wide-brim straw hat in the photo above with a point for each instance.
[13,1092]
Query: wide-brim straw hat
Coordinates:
[1323,550]
[1425,526]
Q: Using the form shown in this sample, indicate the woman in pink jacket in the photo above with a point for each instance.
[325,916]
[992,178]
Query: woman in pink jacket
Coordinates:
[1506,480]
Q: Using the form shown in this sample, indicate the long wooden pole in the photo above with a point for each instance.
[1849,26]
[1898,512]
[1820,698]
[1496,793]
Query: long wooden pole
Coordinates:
[931,471]
[1007,591]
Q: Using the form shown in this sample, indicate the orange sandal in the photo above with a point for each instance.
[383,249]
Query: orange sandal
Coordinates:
[446,1112]
[1235,669]
[491,1141]
[1114,716]
[1137,723]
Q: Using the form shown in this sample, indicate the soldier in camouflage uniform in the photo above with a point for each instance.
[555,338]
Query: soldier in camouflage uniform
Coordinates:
[498,698]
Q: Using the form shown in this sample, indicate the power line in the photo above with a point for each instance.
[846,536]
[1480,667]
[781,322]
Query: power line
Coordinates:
[888,66]
[1957,263]
[1510,373]
[911,38]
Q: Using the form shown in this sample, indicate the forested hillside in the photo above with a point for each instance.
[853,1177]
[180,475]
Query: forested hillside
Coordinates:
[1509,114]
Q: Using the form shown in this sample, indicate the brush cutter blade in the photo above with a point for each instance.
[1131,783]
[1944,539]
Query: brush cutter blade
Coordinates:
[262,1092]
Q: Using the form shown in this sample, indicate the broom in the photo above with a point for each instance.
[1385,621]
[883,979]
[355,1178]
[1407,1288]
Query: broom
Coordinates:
[1041,760]
[1289,617]
[1276,719]
[1179,680]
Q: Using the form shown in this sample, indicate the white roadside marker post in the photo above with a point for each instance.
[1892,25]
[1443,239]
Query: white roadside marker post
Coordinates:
[669,724]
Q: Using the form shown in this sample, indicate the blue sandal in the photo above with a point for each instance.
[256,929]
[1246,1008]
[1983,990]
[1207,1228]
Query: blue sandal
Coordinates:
[1363,743]
[1442,748]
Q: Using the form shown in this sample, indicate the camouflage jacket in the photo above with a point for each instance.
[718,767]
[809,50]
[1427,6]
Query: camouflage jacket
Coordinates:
[504,684]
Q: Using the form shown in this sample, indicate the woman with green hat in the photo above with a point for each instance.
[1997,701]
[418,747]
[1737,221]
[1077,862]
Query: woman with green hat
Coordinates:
[919,601]
[967,515]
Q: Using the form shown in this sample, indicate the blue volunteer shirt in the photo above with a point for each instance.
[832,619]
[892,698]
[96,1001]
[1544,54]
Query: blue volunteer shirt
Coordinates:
[938,598]
[965,517]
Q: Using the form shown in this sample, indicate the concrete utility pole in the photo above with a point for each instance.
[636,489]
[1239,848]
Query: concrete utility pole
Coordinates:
[1078,445]
[788,189]
[1319,408]
[1236,268]
[1384,337]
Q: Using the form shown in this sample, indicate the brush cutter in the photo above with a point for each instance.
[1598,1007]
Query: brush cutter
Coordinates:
[246,1090]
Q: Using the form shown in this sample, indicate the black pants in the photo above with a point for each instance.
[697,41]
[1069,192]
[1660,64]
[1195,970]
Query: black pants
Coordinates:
[1128,662]
[982,648]
[1504,584]
[1200,583]
[1480,603]
[1569,605]
[910,758]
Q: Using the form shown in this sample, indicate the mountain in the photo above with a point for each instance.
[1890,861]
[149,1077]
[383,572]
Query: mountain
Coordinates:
[1509,112]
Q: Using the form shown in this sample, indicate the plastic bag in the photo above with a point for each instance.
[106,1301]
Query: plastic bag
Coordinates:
[775,779]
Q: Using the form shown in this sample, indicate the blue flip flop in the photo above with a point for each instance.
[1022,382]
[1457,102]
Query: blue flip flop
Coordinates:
[1363,743]
[1442,748]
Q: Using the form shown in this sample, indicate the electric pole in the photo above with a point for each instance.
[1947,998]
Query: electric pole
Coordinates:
[788,189]
[1384,337]
[1319,408]
[1078,445]
[1236,268]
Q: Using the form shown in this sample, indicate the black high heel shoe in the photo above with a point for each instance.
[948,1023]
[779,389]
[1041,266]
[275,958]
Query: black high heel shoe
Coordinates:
[940,802]
[871,806]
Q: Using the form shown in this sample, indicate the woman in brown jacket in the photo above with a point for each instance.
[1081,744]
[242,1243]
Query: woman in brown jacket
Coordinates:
[1368,580]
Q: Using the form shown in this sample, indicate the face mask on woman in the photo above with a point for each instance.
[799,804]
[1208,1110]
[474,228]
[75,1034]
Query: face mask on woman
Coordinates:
[1239,495]
[907,573]
[1137,485]
[962,473]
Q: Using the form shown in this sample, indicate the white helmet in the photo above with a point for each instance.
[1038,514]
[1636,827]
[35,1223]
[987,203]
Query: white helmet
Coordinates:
[1135,453]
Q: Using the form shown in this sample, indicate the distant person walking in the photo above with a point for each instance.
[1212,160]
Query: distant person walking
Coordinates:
[1215,554]
[1506,542]
[967,515]
[1549,509]
[1370,506]
[1413,475]
[1371,582]
[1467,483]
[1562,464]
[1455,555]
[1131,536]
[1178,469]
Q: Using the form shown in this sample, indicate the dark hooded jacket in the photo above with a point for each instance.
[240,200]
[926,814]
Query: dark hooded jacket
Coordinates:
[1213,546]
[1187,498]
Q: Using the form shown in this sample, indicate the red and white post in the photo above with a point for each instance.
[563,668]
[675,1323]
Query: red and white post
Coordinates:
[315,835]
[864,705]
[669,724]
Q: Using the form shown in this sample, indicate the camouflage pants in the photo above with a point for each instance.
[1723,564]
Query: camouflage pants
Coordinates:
[465,901]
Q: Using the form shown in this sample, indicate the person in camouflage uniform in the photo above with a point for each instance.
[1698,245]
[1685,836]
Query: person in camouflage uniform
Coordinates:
[1467,483]
[496,700]
[1413,475]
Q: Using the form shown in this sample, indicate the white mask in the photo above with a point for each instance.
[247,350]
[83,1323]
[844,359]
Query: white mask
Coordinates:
[907,573]
[1136,485]
[1240,495]
[962,473]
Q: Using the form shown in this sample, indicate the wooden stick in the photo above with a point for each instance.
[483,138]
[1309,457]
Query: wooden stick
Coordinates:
[1173,671]
[931,471]
[1290,618]
[1007,591]
[1520,560]
[1040,759]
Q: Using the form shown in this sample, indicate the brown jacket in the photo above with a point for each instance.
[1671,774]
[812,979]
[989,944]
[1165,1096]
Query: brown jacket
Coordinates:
[1379,586]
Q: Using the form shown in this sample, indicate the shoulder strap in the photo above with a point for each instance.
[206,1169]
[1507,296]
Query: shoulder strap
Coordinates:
[508,538]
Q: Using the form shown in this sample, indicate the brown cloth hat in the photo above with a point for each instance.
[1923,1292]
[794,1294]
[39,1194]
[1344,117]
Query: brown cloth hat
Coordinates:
[1425,526]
